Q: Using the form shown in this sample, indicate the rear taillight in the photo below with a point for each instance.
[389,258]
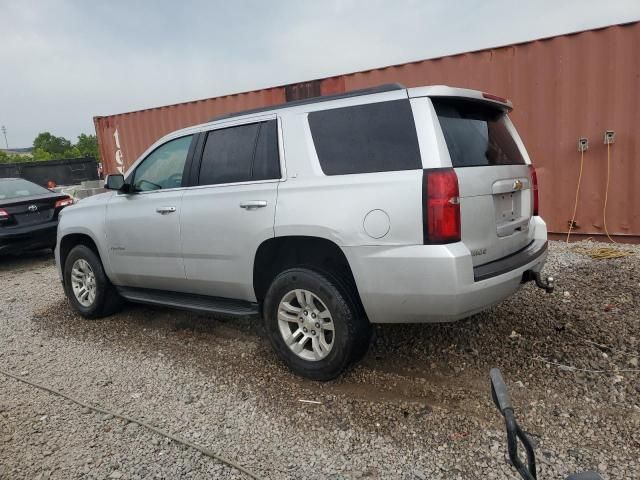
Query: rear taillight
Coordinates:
[441,198]
[65,202]
[4,215]
[534,188]
[490,96]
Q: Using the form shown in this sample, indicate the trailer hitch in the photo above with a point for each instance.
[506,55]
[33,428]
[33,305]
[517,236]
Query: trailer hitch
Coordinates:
[546,284]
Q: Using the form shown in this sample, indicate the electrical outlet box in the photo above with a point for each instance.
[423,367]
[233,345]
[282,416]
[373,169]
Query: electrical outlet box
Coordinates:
[609,137]
[583,144]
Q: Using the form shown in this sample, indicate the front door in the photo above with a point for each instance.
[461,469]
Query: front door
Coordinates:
[231,211]
[143,227]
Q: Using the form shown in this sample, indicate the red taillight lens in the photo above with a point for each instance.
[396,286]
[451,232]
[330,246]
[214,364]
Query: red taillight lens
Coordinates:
[441,206]
[490,96]
[64,202]
[534,188]
[4,215]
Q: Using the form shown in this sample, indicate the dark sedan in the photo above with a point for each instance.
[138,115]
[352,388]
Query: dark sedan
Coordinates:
[28,215]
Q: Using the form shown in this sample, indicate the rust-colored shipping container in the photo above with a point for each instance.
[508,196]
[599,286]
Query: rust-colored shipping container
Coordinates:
[563,88]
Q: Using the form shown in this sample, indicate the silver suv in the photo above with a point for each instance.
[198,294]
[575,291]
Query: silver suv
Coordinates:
[323,216]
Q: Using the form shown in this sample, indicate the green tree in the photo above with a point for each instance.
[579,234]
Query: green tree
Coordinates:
[42,154]
[73,152]
[49,147]
[13,158]
[51,143]
[88,146]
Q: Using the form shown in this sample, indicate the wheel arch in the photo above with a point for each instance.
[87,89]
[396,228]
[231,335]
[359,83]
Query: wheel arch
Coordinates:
[71,240]
[323,255]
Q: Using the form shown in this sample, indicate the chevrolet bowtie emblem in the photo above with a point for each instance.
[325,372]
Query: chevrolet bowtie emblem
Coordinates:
[517,185]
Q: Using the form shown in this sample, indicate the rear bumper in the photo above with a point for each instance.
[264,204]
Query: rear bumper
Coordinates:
[31,237]
[437,283]
[522,257]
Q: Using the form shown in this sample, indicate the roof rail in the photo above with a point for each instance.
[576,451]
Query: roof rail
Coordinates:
[387,87]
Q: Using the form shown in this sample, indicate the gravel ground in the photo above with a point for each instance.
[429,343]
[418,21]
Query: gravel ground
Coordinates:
[416,407]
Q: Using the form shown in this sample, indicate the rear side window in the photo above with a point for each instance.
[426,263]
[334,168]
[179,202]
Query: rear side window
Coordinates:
[241,154]
[377,137]
[476,134]
[266,163]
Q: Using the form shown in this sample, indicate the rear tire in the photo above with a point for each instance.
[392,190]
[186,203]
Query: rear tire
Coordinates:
[86,285]
[314,324]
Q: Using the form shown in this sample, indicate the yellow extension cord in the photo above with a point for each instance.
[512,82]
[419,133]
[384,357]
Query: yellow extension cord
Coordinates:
[600,253]
[575,205]
[603,253]
[606,193]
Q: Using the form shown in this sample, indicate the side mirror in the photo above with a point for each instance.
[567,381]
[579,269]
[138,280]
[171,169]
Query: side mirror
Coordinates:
[114,182]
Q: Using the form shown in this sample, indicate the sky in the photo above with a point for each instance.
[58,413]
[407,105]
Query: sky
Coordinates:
[62,62]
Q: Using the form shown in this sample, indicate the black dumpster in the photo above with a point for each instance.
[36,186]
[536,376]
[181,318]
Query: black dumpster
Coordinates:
[62,172]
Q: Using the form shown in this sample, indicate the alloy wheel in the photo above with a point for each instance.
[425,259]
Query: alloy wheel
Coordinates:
[306,325]
[83,282]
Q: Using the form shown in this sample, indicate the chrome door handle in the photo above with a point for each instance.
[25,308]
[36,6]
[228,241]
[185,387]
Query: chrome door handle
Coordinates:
[252,204]
[164,210]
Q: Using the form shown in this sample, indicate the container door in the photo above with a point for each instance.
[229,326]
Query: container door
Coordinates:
[496,196]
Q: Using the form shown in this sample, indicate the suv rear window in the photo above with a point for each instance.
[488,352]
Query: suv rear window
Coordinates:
[476,134]
[376,137]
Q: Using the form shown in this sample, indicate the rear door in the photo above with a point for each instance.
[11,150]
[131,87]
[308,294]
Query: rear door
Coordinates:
[496,200]
[231,210]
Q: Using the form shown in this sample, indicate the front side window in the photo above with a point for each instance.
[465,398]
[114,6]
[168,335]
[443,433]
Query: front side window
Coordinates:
[163,168]
[375,137]
[241,154]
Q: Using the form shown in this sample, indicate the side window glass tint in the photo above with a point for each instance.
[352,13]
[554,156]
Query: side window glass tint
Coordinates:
[228,155]
[376,137]
[163,168]
[241,154]
[266,164]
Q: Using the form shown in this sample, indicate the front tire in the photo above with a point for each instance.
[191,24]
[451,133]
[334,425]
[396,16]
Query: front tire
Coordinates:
[314,325]
[86,285]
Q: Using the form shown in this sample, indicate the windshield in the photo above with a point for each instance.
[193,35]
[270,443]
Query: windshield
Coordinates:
[476,134]
[16,188]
